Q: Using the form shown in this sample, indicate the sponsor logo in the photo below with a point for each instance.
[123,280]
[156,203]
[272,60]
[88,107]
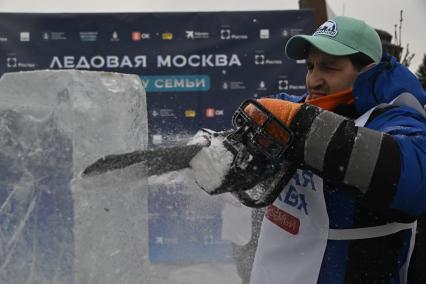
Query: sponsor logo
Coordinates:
[97,62]
[164,112]
[136,36]
[189,34]
[167,112]
[261,59]
[296,31]
[233,85]
[262,86]
[24,36]
[58,36]
[196,35]
[211,112]
[114,36]
[296,87]
[12,61]
[291,32]
[53,36]
[167,36]
[219,112]
[3,39]
[329,28]
[176,83]
[190,113]
[264,34]
[226,34]
[283,219]
[285,33]
[284,84]
[198,60]
[88,36]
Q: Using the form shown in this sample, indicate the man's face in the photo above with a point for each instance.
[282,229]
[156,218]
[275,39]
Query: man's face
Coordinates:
[328,74]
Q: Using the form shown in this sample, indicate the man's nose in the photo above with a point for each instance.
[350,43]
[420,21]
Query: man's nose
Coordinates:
[315,79]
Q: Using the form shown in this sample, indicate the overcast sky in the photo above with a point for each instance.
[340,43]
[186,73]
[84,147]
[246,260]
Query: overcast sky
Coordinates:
[382,14]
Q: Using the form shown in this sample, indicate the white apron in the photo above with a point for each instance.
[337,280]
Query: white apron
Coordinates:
[295,228]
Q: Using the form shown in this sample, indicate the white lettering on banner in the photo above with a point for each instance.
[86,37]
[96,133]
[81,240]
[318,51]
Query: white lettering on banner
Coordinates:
[174,83]
[297,87]
[113,61]
[239,36]
[178,83]
[97,62]
[195,60]
[273,61]
[26,65]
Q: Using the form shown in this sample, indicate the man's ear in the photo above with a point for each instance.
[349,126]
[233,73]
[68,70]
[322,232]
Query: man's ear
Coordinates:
[367,67]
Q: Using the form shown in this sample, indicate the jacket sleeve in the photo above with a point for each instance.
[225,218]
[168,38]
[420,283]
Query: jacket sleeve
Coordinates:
[384,161]
[408,130]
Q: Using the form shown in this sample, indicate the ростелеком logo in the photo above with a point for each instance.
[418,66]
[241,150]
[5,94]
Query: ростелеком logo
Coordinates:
[329,28]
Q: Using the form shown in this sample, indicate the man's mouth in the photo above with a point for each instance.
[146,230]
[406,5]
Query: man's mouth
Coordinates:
[314,95]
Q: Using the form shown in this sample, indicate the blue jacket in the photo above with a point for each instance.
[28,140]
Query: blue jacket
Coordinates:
[367,261]
[408,127]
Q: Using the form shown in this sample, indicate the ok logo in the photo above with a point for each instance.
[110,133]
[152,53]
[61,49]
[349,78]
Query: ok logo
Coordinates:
[295,199]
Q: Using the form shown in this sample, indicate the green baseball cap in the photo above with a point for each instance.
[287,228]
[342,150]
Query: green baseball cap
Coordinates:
[338,36]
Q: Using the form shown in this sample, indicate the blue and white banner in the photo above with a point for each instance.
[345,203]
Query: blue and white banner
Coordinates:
[197,67]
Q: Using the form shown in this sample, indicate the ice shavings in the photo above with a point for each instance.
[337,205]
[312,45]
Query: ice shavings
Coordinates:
[180,176]
[202,137]
[211,165]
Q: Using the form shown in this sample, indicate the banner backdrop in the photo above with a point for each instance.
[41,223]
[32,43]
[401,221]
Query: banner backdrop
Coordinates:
[197,67]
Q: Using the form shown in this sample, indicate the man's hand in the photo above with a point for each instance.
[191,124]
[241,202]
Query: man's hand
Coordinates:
[284,111]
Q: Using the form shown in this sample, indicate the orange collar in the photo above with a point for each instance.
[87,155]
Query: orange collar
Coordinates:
[330,102]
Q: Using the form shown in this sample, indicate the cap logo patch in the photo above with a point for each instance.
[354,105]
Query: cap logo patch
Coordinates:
[329,28]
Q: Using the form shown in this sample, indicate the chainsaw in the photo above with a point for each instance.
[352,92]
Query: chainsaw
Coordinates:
[247,161]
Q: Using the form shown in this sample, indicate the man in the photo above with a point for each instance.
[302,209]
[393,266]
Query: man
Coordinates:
[348,214]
